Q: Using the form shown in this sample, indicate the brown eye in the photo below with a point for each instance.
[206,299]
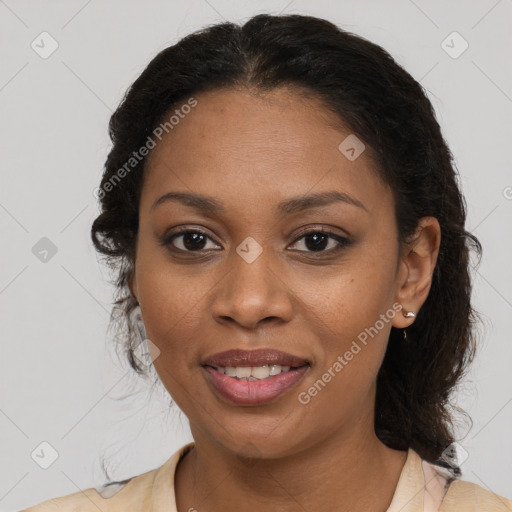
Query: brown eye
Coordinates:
[319,241]
[187,241]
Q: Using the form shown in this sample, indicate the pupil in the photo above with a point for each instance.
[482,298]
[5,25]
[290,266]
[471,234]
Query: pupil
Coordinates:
[316,246]
[194,237]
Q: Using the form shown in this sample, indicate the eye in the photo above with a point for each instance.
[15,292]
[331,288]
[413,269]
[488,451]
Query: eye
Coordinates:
[191,240]
[318,240]
[315,240]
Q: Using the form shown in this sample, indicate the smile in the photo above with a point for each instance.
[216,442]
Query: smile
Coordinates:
[253,385]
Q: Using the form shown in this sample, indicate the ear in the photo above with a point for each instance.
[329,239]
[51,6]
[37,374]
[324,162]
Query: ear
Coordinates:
[418,261]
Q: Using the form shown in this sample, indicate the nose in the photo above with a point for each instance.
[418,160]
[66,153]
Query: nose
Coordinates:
[251,294]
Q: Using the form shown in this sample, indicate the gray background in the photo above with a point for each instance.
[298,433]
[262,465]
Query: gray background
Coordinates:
[59,378]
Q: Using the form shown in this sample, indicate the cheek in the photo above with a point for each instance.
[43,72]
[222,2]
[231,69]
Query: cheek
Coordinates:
[171,299]
[353,338]
[348,300]
[351,311]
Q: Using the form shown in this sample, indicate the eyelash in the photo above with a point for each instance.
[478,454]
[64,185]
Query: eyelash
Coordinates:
[167,241]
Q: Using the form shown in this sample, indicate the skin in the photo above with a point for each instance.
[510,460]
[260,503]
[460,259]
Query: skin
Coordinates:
[250,151]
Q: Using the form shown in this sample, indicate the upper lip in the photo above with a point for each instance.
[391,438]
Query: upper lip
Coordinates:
[260,357]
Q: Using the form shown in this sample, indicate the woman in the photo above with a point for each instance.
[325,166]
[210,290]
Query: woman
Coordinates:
[285,219]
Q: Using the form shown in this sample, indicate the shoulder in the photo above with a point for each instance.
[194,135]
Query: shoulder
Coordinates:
[437,486]
[468,497]
[447,492]
[147,491]
[133,493]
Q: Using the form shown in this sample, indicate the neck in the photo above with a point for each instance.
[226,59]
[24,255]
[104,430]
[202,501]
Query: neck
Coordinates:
[340,473]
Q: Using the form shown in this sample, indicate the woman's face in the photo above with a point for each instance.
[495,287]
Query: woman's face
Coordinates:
[201,295]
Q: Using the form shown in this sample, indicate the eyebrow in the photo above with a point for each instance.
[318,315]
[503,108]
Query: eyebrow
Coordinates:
[297,204]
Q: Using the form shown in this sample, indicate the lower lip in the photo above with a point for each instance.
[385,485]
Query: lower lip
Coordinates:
[253,392]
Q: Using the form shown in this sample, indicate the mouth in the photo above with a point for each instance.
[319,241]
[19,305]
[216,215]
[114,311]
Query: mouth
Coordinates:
[253,385]
[253,377]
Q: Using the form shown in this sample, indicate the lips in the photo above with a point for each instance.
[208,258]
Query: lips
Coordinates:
[260,357]
[254,393]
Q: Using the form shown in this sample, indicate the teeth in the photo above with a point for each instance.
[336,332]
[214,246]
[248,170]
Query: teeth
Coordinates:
[253,372]
[243,371]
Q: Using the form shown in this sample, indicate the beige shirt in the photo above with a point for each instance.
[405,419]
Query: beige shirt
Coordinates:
[422,487]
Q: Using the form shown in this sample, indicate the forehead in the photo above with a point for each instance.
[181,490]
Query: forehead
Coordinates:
[260,146]
[282,120]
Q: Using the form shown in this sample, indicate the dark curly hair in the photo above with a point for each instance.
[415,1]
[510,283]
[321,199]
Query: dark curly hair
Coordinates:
[387,109]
